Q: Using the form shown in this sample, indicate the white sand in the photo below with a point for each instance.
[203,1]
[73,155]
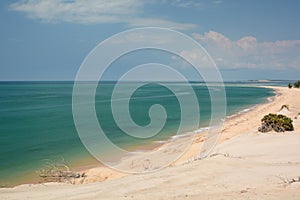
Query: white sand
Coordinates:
[245,164]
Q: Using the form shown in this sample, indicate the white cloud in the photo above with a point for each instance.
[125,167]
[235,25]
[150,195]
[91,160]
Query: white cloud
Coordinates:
[247,52]
[79,11]
[129,12]
[197,57]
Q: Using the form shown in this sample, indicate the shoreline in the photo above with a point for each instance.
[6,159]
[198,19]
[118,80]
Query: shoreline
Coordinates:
[93,170]
[244,164]
[199,134]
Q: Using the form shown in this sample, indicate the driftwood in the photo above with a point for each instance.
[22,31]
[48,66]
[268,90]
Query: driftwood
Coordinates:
[287,181]
[59,172]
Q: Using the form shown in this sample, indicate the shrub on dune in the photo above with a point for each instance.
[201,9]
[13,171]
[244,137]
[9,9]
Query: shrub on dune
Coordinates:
[278,123]
[297,84]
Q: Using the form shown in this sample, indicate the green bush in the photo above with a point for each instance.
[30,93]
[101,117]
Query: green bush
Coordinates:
[278,123]
[297,84]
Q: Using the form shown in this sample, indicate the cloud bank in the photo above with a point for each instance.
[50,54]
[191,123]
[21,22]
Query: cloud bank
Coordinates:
[247,52]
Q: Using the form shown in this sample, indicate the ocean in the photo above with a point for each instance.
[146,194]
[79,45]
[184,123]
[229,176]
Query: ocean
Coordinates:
[36,121]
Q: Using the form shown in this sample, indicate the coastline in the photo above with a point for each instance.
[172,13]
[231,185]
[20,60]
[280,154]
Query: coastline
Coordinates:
[79,159]
[97,172]
[104,173]
[238,130]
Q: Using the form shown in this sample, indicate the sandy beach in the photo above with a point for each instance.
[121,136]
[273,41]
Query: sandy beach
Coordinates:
[245,164]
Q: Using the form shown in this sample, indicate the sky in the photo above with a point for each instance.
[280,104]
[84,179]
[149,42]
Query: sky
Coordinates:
[49,39]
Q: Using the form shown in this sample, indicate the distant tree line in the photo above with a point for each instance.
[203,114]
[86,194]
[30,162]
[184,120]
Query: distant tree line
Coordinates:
[295,85]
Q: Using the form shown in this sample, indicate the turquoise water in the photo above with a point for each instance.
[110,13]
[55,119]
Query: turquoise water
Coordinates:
[36,121]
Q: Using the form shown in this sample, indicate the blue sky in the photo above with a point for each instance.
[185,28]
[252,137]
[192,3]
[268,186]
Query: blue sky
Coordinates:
[49,39]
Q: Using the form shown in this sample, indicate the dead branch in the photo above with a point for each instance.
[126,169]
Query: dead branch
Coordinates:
[58,172]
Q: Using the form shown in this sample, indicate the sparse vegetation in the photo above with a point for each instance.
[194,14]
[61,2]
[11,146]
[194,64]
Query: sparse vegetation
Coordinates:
[297,84]
[278,123]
